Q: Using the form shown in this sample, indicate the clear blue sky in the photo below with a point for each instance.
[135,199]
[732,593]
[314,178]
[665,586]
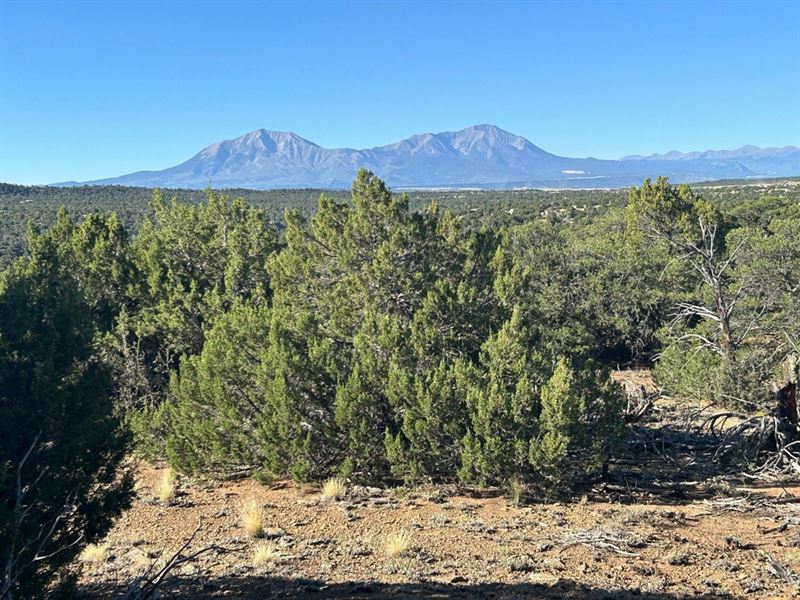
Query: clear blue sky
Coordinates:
[98,89]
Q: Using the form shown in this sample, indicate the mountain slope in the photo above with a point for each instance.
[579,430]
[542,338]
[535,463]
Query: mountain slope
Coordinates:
[479,156]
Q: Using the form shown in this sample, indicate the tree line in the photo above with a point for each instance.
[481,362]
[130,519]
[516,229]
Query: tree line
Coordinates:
[21,205]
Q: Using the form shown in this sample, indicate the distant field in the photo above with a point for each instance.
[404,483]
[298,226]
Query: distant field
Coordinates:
[21,205]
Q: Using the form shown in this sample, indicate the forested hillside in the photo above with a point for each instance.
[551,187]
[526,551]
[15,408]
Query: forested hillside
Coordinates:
[382,338]
[21,205]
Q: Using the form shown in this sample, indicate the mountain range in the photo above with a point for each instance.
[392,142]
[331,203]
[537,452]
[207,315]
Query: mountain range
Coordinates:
[482,156]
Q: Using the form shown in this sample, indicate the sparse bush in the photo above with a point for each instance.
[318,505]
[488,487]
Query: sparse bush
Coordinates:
[397,543]
[252,515]
[334,488]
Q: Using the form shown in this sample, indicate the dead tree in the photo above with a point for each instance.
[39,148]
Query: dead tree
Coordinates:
[704,257]
[785,391]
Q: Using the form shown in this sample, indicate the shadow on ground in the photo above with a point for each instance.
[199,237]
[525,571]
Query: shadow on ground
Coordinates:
[248,587]
[672,461]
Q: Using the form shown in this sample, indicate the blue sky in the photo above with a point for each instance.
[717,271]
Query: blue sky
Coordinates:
[98,89]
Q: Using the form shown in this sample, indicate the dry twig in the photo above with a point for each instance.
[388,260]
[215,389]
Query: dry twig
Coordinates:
[605,540]
[146,586]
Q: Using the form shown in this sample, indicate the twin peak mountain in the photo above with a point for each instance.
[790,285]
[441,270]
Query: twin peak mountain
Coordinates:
[482,156]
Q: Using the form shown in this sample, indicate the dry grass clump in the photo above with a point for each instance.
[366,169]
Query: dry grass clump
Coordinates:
[516,491]
[252,518]
[265,554]
[334,488]
[166,486]
[397,543]
[95,553]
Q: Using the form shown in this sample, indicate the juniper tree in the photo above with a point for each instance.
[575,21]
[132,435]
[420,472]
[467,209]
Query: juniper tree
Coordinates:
[504,407]
[383,356]
[579,425]
[216,409]
[735,321]
[60,445]
[193,262]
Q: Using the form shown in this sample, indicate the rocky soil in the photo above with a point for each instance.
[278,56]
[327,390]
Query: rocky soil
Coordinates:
[668,523]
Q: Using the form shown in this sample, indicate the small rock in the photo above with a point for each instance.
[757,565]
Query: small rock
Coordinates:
[681,559]
[360,550]
[752,586]
[319,542]
[363,491]
[520,564]
[274,534]
[726,565]
[733,542]
[553,563]
[544,579]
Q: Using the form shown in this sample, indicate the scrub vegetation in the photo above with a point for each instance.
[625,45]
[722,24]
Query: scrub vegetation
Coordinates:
[379,339]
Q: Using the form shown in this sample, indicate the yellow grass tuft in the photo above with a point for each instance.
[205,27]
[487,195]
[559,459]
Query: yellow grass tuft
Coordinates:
[265,554]
[334,488]
[95,553]
[397,543]
[165,488]
[252,518]
[516,491]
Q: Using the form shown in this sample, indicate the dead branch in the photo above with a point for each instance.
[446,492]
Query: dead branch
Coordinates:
[146,586]
[782,572]
[604,540]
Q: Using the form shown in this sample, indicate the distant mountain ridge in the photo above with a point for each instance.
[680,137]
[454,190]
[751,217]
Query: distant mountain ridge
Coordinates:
[481,156]
[743,152]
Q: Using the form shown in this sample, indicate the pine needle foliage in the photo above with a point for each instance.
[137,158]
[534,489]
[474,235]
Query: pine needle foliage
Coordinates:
[385,353]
